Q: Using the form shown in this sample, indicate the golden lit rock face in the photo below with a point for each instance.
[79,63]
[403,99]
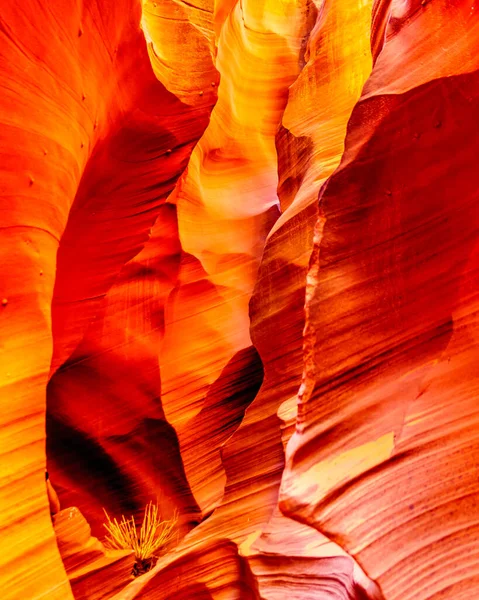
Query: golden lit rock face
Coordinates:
[239,278]
[180,42]
[382,460]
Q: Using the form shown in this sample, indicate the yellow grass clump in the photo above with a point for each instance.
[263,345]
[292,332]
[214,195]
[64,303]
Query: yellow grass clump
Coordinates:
[146,543]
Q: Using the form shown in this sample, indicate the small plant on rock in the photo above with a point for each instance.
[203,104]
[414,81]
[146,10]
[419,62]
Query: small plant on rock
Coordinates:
[146,541]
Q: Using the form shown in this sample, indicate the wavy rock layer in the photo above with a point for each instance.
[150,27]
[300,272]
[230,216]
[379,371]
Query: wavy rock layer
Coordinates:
[93,570]
[279,372]
[387,437]
[77,91]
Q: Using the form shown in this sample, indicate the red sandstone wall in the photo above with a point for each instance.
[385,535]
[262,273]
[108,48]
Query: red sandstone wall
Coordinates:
[184,321]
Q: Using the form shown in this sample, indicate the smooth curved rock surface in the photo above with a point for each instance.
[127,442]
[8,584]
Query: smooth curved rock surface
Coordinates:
[239,273]
[71,74]
[93,570]
[386,443]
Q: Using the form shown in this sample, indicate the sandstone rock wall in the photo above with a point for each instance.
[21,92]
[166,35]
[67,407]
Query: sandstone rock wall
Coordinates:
[239,278]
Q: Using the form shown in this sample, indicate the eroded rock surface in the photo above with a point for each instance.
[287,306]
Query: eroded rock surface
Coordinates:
[384,459]
[239,278]
[93,570]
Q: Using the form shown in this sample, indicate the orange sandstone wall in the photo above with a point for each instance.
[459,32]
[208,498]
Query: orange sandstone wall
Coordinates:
[384,458]
[84,123]
[239,278]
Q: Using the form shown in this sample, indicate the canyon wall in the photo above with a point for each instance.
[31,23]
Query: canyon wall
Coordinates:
[384,457]
[239,278]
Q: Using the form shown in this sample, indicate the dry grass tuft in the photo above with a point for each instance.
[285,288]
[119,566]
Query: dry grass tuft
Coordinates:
[146,543]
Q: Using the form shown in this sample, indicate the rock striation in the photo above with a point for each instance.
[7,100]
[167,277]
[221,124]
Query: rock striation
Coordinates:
[386,435]
[239,255]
